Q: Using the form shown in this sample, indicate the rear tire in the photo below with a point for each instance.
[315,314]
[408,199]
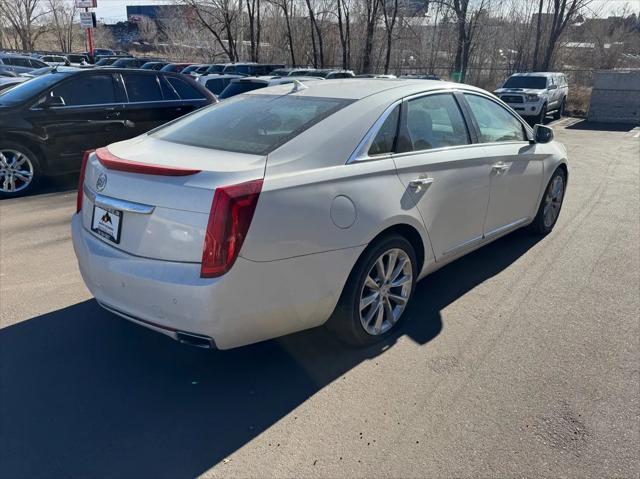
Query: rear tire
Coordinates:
[20,172]
[551,204]
[377,292]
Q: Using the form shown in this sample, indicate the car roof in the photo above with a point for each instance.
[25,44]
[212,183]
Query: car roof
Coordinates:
[536,74]
[355,89]
[213,76]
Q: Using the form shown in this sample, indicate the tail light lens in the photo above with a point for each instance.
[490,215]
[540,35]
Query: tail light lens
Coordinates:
[231,214]
[80,196]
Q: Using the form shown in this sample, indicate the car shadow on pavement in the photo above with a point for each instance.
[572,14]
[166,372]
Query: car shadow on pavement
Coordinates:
[84,393]
[596,126]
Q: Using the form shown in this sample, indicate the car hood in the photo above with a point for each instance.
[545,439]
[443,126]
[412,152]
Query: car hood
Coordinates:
[530,91]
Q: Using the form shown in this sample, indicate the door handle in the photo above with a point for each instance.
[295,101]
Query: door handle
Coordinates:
[500,167]
[419,182]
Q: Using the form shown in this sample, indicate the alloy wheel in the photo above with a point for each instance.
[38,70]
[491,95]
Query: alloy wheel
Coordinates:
[16,171]
[386,291]
[553,201]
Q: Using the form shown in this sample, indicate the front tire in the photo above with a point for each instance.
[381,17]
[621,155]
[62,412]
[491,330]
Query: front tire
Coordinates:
[377,292]
[560,111]
[19,170]
[551,204]
[542,115]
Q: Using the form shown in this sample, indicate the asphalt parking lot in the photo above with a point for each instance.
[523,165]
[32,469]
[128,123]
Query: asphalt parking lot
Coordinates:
[522,359]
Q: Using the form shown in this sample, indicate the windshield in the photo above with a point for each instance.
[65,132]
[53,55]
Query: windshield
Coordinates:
[535,83]
[237,87]
[37,72]
[253,124]
[29,89]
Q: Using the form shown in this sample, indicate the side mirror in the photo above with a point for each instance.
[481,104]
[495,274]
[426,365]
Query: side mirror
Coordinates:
[53,102]
[552,87]
[542,134]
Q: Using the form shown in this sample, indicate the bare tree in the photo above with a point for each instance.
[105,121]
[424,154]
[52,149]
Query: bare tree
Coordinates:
[219,17]
[371,18]
[23,16]
[147,30]
[285,7]
[255,27]
[344,28]
[390,15]
[62,23]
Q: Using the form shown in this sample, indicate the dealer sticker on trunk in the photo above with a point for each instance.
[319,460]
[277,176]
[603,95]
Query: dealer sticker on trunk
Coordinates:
[107,223]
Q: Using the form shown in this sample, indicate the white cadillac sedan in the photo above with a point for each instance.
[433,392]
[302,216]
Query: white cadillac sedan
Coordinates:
[289,207]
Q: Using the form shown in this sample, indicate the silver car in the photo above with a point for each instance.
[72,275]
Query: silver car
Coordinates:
[294,206]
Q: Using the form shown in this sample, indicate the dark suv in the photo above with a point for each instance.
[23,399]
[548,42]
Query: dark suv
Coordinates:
[48,122]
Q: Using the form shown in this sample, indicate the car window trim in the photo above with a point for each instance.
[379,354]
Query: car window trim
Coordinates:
[527,129]
[361,151]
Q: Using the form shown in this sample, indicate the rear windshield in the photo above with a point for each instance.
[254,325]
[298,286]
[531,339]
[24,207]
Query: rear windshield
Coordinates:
[237,87]
[253,124]
[536,83]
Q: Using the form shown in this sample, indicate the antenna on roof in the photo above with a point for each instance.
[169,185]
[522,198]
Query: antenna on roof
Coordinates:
[297,86]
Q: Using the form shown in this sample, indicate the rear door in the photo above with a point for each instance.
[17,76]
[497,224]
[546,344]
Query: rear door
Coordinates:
[153,100]
[516,167]
[93,116]
[444,174]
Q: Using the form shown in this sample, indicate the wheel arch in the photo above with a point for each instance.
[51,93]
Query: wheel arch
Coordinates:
[421,245]
[32,145]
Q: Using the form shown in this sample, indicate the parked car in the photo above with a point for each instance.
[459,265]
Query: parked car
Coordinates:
[174,67]
[329,74]
[191,69]
[47,122]
[285,72]
[375,75]
[215,68]
[427,76]
[154,65]
[245,84]
[251,69]
[281,210]
[106,61]
[55,60]
[78,60]
[6,72]
[216,83]
[201,70]
[19,63]
[130,62]
[8,82]
[534,95]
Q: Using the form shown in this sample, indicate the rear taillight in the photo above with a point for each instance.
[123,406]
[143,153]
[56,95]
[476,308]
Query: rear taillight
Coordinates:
[80,196]
[231,213]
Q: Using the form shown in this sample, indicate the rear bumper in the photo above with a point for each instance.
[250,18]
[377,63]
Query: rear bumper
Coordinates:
[252,302]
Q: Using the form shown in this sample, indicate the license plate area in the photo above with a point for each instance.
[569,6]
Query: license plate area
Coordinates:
[107,223]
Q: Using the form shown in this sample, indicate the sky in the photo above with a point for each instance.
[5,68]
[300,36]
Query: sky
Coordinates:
[112,11]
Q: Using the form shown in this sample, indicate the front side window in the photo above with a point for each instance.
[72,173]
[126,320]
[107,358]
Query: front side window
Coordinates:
[142,88]
[86,90]
[494,122]
[253,124]
[385,138]
[434,121]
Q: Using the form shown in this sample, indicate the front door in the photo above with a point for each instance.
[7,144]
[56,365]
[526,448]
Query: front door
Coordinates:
[444,174]
[516,168]
[92,116]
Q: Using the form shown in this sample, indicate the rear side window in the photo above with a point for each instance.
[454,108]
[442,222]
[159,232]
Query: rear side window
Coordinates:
[184,90]
[494,122]
[253,124]
[385,138]
[434,121]
[18,62]
[86,90]
[142,87]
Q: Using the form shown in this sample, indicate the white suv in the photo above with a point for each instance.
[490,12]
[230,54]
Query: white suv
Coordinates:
[534,95]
